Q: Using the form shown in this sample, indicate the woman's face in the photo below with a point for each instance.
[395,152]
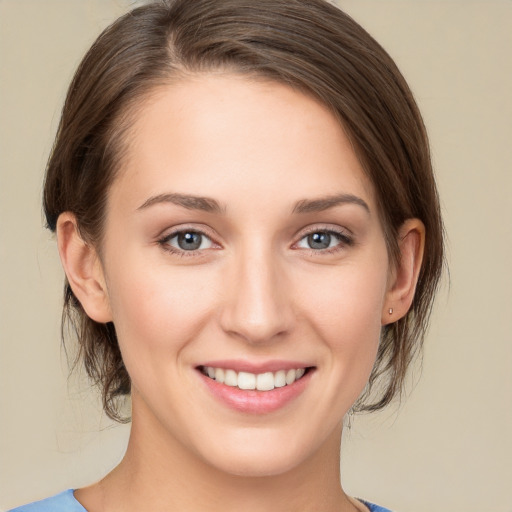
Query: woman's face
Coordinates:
[242,241]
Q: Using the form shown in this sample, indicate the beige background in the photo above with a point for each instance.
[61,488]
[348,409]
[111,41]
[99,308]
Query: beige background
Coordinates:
[449,447]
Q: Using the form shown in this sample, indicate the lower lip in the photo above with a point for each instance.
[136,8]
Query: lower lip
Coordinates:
[253,401]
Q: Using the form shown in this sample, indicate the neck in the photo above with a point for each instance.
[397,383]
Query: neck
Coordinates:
[159,473]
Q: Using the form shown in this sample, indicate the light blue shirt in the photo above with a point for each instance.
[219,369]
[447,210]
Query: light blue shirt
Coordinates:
[63,502]
[66,502]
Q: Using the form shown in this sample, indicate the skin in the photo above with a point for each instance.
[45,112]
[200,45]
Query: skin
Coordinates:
[255,290]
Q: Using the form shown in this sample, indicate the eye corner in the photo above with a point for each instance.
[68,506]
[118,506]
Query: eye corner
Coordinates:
[323,245]
[187,242]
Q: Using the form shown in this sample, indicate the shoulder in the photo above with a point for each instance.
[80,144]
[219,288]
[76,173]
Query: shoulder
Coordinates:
[63,502]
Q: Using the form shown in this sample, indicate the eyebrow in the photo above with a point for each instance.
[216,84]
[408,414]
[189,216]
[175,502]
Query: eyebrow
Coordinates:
[207,204]
[190,202]
[324,203]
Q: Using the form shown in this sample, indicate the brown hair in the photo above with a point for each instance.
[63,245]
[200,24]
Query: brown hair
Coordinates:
[308,44]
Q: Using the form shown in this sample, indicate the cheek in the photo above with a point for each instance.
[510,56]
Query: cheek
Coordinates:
[345,310]
[158,309]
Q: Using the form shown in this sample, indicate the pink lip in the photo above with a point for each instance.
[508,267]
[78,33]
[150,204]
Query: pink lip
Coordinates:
[253,401]
[256,367]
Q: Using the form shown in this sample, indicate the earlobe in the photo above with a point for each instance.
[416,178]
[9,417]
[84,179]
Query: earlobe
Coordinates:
[83,269]
[402,285]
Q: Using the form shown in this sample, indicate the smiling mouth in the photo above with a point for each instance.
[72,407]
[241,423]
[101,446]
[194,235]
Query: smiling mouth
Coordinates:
[266,381]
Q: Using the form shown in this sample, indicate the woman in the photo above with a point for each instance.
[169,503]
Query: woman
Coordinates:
[249,225]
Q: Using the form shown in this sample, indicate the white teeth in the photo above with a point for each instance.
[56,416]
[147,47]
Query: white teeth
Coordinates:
[280,379]
[265,381]
[230,378]
[262,381]
[246,380]
[290,376]
[219,374]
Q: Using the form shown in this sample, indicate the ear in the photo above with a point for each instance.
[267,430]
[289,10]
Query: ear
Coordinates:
[404,277]
[83,269]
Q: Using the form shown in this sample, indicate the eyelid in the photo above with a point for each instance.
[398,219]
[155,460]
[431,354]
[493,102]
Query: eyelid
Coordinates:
[169,234]
[345,235]
[328,228]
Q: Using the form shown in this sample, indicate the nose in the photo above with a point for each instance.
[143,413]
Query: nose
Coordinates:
[258,306]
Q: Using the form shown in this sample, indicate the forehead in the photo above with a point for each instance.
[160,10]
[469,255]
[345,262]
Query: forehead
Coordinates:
[228,135]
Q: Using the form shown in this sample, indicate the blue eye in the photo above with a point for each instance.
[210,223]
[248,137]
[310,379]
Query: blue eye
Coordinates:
[188,241]
[322,240]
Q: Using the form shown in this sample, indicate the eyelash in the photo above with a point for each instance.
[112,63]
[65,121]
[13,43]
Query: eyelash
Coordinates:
[345,240]
[164,243]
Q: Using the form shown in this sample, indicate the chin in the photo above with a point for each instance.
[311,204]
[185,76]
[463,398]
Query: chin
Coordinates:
[260,454]
[250,465]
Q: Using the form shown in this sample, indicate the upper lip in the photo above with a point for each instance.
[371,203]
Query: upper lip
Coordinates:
[240,365]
